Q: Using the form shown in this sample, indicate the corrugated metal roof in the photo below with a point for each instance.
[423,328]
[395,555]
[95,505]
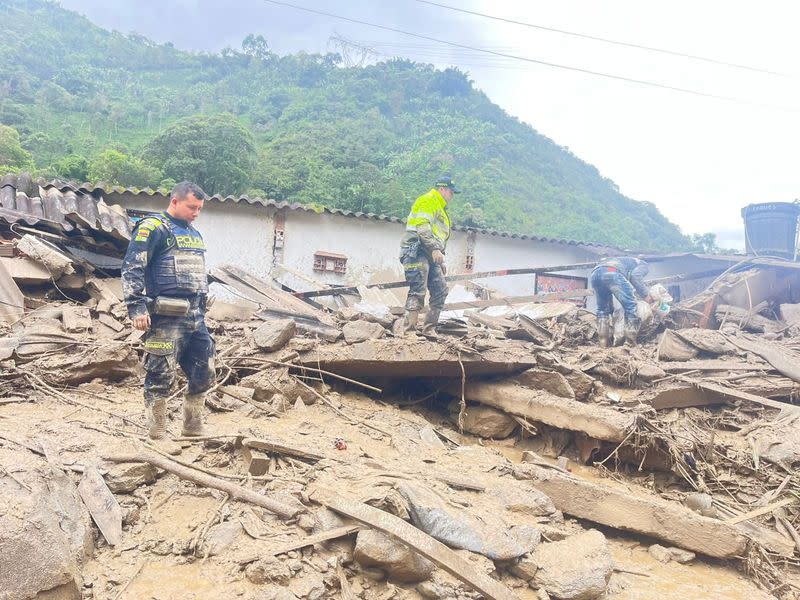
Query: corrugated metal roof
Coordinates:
[23,200]
[100,189]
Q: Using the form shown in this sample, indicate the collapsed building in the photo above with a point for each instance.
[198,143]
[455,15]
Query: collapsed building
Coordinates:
[507,457]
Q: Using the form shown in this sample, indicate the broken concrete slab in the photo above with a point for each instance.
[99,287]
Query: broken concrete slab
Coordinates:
[113,361]
[423,358]
[595,421]
[577,568]
[274,334]
[356,332]
[56,263]
[376,549]
[645,515]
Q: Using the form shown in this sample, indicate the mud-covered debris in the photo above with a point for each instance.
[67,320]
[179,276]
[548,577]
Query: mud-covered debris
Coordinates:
[376,549]
[221,536]
[310,586]
[549,381]
[490,535]
[577,568]
[664,554]
[124,478]
[45,533]
[274,334]
[268,569]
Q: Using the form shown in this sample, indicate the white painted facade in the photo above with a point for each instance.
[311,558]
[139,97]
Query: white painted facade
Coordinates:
[244,234]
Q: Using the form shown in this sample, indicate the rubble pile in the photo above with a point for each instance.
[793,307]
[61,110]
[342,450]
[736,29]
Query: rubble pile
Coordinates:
[506,457]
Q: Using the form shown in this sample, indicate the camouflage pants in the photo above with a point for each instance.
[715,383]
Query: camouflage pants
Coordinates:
[422,274]
[173,341]
[609,285]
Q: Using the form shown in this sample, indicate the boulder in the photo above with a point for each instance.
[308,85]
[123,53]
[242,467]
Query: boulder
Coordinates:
[268,569]
[526,501]
[667,554]
[221,536]
[45,534]
[577,568]
[361,331]
[376,549]
[273,335]
[124,478]
[485,421]
[581,383]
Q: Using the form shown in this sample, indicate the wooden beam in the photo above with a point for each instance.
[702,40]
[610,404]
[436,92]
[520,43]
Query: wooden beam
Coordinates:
[730,393]
[418,541]
[646,515]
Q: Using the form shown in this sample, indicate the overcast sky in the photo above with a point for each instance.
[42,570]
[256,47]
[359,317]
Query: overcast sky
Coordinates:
[699,159]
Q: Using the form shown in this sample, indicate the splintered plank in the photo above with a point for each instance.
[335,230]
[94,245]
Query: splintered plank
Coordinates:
[102,505]
[419,541]
[423,358]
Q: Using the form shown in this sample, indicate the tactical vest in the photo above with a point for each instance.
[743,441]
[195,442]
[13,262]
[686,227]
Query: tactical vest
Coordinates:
[180,268]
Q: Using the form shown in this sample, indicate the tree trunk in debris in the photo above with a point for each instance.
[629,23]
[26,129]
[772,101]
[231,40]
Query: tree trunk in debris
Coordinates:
[234,491]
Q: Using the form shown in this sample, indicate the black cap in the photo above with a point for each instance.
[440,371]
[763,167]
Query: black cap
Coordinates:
[446,181]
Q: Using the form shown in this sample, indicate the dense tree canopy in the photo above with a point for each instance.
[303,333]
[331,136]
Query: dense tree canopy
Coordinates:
[216,152]
[300,127]
[12,154]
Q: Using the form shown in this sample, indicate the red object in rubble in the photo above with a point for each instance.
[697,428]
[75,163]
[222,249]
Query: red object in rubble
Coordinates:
[340,444]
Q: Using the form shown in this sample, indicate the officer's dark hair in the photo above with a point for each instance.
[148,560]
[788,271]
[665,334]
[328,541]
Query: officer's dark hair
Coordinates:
[182,190]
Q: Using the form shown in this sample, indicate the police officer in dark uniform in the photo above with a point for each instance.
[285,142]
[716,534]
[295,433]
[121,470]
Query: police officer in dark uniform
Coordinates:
[165,286]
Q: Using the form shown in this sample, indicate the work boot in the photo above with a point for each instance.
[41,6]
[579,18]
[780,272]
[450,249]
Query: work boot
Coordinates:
[410,321]
[193,415]
[431,321]
[632,330]
[604,331]
[157,419]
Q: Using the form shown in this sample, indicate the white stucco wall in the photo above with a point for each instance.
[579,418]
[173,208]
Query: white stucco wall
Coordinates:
[495,252]
[371,246]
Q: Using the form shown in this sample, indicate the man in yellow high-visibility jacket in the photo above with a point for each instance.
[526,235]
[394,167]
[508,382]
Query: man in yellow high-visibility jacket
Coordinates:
[422,253]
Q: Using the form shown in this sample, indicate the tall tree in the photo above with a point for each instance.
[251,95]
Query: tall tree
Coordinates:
[12,154]
[215,151]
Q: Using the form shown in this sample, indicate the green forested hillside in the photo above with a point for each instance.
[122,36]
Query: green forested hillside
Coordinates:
[89,103]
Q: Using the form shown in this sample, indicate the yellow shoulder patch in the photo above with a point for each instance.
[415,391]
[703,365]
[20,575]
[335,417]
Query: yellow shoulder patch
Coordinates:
[144,228]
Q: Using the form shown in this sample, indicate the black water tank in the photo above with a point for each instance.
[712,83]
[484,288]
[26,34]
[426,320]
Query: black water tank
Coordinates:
[771,228]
